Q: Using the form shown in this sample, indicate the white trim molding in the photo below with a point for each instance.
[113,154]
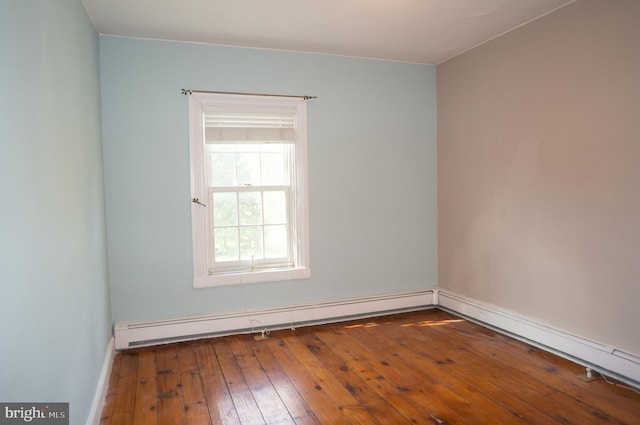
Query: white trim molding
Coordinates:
[103,385]
[136,334]
[603,358]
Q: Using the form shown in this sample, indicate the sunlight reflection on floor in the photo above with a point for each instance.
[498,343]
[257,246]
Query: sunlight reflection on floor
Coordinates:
[407,325]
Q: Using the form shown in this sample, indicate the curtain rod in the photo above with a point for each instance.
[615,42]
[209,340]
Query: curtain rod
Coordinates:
[189,91]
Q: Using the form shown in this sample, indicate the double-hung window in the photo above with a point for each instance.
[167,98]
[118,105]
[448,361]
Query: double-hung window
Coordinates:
[249,188]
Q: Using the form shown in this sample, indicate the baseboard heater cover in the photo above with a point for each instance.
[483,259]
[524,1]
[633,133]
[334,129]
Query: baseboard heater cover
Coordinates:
[600,357]
[137,334]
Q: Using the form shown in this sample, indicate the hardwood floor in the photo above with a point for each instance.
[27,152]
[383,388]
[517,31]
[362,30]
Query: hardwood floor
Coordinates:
[427,367]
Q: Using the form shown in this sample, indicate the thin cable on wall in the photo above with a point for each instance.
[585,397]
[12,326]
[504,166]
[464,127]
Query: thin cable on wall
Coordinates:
[189,91]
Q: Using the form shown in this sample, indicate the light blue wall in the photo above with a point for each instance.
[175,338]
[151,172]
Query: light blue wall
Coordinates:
[54,303]
[372,161]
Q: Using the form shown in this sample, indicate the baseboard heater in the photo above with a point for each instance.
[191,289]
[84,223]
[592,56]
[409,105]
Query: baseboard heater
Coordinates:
[602,358]
[138,334]
[605,359]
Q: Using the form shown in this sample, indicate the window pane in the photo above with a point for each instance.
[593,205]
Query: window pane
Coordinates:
[250,207]
[225,209]
[248,166]
[219,147]
[275,241]
[246,147]
[226,244]
[273,172]
[272,147]
[251,243]
[223,169]
[275,207]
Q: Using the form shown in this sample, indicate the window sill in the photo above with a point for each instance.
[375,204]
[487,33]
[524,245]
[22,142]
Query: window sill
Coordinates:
[258,276]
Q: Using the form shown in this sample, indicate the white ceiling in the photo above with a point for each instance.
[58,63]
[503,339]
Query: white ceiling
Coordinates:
[419,31]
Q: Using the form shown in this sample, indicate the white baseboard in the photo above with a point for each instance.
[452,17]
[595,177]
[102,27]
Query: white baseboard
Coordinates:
[136,334]
[602,358]
[103,385]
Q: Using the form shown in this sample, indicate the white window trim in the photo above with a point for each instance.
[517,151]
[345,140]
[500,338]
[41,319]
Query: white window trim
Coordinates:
[199,190]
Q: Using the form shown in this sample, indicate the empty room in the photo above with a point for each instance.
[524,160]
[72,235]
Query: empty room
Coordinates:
[325,212]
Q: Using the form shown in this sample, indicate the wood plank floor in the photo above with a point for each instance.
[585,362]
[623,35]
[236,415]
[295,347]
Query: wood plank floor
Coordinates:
[427,367]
